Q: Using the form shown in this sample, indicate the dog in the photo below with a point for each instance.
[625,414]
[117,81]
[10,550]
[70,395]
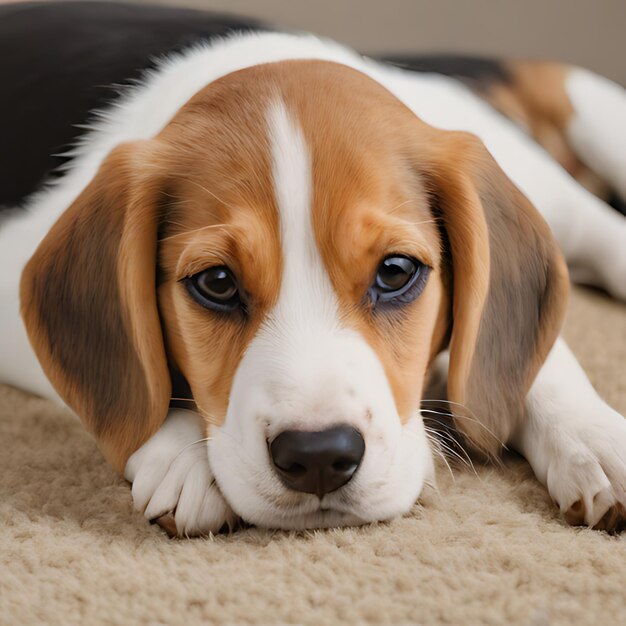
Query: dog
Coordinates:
[262,249]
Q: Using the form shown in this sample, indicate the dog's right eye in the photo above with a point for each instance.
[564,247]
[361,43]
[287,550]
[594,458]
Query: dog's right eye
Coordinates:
[215,288]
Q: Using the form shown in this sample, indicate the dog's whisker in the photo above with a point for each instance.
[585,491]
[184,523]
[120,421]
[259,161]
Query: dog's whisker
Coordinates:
[172,222]
[244,462]
[212,420]
[465,459]
[448,402]
[162,192]
[195,230]
[203,440]
[435,442]
[210,193]
[465,417]
[208,417]
[447,441]
[459,404]
[399,206]
[447,424]
[433,221]
[436,449]
[189,445]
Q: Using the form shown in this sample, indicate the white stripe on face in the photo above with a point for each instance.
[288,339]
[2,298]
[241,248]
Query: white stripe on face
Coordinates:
[306,295]
[305,370]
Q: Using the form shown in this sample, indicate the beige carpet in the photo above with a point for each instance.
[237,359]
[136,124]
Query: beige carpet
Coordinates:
[487,548]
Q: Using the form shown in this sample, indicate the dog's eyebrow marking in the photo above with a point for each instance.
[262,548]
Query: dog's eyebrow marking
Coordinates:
[195,230]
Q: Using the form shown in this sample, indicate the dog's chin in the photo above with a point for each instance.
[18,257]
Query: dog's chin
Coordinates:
[307,512]
[307,519]
[332,511]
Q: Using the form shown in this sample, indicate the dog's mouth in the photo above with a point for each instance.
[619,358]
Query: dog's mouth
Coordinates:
[298,511]
[294,510]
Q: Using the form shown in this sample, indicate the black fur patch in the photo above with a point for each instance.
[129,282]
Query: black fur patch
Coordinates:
[61,60]
[477,72]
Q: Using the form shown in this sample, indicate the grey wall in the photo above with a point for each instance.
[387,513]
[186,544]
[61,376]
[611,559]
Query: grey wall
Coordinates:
[587,32]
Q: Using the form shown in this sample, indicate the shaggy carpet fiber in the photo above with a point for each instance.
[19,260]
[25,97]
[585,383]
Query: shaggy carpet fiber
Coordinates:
[486,547]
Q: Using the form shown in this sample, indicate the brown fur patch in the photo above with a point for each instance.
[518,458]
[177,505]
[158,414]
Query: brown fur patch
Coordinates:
[535,97]
[88,302]
[508,305]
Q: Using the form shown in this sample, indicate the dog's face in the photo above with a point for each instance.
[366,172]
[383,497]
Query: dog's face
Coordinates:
[302,291]
[299,247]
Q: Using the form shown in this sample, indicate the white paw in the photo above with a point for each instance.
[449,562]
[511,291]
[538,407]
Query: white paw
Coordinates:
[587,474]
[170,475]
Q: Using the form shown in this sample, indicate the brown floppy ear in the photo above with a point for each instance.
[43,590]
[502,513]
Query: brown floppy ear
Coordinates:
[509,286]
[88,300]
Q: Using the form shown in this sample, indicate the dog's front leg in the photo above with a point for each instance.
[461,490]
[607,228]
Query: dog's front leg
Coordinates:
[575,443]
[170,474]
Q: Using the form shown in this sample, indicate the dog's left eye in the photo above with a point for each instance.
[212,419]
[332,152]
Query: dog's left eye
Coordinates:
[399,278]
[215,288]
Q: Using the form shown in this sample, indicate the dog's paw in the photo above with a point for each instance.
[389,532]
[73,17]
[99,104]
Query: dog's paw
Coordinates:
[172,482]
[587,476]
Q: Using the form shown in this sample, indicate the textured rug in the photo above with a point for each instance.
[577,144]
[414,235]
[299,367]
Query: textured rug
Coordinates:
[487,547]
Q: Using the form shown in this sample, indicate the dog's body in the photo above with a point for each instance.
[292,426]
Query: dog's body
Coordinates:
[297,127]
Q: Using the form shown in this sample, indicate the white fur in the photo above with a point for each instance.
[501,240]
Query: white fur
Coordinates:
[574,441]
[304,370]
[316,369]
[599,139]
[597,132]
[171,472]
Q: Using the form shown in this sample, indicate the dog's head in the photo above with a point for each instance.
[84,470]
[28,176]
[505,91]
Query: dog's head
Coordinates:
[299,246]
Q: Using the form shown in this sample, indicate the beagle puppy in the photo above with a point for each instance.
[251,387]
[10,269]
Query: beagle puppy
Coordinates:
[262,250]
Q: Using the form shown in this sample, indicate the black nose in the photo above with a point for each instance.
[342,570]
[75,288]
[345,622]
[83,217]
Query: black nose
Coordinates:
[317,462]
